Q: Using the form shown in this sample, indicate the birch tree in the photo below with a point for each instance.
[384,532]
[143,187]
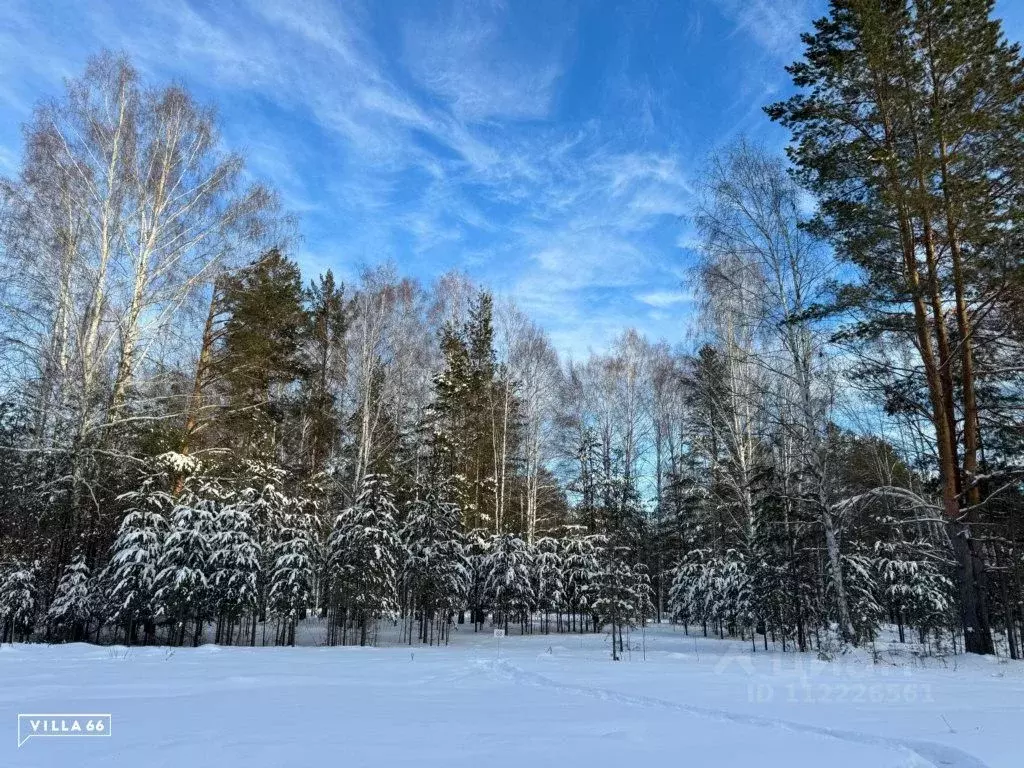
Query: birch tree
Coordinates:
[763,274]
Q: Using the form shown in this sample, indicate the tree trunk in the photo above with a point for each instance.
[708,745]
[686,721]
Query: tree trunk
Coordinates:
[971,575]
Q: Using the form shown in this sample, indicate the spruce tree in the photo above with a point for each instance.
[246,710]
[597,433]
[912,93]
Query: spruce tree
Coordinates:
[268,505]
[548,580]
[912,577]
[714,589]
[866,610]
[480,470]
[328,319]
[182,584]
[364,550]
[581,562]
[464,431]
[234,565]
[134,556]
[18,601]
[478,547]
[621,598]
[508,584]
[436,569]
[293,554]
[74,602]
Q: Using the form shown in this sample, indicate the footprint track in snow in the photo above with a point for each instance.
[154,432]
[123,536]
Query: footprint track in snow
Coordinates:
[923,754]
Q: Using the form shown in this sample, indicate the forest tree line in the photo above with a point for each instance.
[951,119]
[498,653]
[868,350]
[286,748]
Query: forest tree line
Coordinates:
[198,442]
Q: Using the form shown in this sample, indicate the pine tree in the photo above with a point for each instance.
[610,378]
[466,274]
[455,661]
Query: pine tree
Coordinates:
[781,580]
[364,551]
[74,602]
[260,355]
[908,127]
[624,519]
[585,483]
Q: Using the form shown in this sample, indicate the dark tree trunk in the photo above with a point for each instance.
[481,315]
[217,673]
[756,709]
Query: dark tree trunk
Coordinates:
[971,572]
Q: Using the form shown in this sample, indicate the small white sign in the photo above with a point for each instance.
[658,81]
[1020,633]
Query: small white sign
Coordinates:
[53,725]
[499,633]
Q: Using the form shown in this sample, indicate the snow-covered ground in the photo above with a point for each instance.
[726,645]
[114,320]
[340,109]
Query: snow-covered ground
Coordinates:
[553,700]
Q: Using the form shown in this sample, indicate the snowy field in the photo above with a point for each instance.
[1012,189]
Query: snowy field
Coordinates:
[553,700]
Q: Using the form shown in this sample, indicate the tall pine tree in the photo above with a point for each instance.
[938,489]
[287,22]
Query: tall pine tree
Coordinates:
[910,127]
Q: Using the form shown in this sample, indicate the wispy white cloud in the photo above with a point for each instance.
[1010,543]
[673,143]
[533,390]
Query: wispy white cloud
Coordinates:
[662,299]
[773,25]
[469,55]
[443,150]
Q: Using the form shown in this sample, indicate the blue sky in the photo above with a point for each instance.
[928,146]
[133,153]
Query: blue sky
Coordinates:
[548,149]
